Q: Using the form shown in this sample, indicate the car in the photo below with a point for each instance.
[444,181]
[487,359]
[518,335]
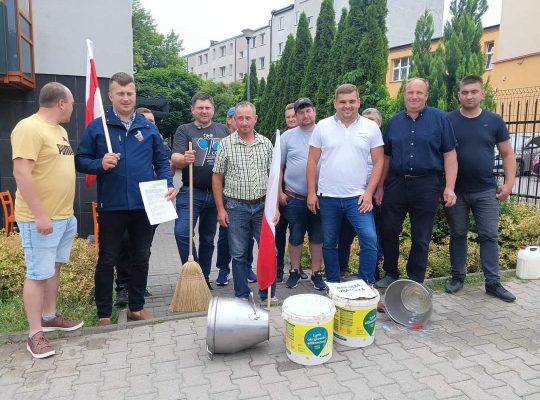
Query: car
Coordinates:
[526,147]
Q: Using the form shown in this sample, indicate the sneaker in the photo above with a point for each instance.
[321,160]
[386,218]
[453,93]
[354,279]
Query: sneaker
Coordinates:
[279,275]
[454,285]
[317,280]
[39,346]
[303,275]
[273,300]
[121,297]
[252,278]
[497,290]
[61,324]
[147,293]
[294,276]
[223,278]
[384,282]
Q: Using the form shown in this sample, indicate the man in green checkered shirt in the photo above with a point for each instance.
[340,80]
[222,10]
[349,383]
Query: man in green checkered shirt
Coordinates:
[242,164]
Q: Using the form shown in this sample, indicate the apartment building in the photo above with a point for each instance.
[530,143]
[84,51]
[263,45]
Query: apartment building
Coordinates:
[269,41]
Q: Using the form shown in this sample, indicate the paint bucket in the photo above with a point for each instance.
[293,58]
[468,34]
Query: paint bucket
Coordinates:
[528,262]
[354,322]
[234,325]
[309,326]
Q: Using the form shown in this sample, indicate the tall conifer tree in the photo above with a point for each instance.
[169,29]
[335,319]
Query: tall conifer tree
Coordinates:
[295,74]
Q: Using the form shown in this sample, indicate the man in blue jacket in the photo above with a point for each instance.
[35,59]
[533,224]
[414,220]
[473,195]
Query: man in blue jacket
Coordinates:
[138,153]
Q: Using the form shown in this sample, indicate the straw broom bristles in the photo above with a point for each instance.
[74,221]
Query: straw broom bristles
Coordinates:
[192,292]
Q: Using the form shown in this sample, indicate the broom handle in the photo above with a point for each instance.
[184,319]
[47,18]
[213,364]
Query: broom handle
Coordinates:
[190,257]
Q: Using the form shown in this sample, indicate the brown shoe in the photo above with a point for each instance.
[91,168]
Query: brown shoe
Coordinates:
[39,346]
[104,322]
[142,315]
[61,323]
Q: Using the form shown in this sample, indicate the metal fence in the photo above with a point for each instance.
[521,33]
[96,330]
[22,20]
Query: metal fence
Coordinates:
[521,111]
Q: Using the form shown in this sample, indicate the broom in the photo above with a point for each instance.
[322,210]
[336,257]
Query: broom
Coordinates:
[192,292]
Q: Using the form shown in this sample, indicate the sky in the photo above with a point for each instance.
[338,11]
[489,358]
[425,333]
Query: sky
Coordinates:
[198,22]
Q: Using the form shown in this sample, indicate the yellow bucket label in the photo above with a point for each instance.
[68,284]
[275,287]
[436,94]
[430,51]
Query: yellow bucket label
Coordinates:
[355,323]
[308,340]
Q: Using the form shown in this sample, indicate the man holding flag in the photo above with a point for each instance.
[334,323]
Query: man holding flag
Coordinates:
[240,184]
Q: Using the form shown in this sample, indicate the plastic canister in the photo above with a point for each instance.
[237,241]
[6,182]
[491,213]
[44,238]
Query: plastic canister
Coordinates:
[309,325]
[354,322]
[528,262]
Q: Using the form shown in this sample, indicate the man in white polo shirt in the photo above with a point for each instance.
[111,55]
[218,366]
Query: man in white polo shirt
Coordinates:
[343,143]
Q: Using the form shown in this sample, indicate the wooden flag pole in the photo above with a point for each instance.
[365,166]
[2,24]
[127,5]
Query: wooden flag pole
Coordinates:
[104,122]
[269,299]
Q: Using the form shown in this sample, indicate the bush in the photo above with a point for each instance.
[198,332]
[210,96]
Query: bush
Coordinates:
[76,278]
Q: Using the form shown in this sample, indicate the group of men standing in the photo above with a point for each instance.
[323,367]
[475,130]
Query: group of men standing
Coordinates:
[334,173]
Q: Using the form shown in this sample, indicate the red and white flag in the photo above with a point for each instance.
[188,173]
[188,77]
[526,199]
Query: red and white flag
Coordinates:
[93,95]
[266,260]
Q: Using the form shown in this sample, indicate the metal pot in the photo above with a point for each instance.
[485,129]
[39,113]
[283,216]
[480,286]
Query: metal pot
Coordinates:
[234,324]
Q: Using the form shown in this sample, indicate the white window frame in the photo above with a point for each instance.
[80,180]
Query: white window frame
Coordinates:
[222,71]
[280,49]
[281,23]
[241,54]
[400,69]
[222,51]
[261,63]
[490,53]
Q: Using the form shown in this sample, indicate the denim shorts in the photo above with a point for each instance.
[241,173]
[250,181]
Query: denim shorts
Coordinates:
[42,252]
[301,220]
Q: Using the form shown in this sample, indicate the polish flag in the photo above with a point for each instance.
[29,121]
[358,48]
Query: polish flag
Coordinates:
[93,95]
[267,257]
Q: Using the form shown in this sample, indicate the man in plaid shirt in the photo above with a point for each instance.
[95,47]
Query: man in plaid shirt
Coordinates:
[239,185]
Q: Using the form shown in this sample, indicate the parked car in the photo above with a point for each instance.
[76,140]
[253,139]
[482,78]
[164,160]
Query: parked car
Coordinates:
[526,147]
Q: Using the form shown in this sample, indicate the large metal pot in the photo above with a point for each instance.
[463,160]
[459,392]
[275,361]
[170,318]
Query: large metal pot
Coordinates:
[234,324]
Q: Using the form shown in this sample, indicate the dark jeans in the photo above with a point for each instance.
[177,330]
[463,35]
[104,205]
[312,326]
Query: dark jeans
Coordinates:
[419,197]
[224,256]
[281,238]
[244,224]
[112,226]
[204,210]
[122,268]
[333,211]
[485,208]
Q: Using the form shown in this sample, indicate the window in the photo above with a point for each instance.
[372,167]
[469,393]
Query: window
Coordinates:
[280,48]
[262,39]
[281,23]
[261,62]
[401,69]
[213,54]
[231,49]
[205,58]
[490,48]
[16,43]
[310,22]
[200,59]
[206,75]
[221,72]
[222,51]
[213,72]
[253,42]
[296,17]
[241,54]
[230,70]
[241,75]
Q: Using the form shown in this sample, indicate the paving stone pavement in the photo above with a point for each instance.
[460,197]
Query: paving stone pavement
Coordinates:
[475,347]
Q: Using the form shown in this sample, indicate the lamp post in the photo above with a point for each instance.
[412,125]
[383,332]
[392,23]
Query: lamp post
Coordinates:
[248,34]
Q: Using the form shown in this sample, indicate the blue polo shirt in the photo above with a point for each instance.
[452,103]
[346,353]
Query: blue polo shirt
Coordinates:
[416,147]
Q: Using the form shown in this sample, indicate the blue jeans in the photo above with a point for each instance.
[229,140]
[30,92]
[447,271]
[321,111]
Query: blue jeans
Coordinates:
[244,225]
[224,256]
[204,210]
[333,210]
[485,208]
[419,197]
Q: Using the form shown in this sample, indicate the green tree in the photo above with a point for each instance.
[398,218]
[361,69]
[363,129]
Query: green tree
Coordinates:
[353,33]
[254,81]
[421,48]
[295,72]
[462,44]
[151,48]
[265,102]
[437,84]
[320,52]
[262,87]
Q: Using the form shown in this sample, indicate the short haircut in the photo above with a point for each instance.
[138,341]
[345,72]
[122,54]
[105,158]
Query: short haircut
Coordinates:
[144,110]
[467,80]
[347,88]
[52,93]
[289,106]
[202,97]
[121,78]
[370,111]
[409,81]
[244,104]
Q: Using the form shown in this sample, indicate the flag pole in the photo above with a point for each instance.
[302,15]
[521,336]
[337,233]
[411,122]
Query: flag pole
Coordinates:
[269,299]
[103,121]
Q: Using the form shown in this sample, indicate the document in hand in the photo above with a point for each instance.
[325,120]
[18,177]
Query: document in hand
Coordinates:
[157,207]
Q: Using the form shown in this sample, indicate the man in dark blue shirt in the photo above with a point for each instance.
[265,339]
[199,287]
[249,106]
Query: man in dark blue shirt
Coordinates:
[478,132]
[419,147]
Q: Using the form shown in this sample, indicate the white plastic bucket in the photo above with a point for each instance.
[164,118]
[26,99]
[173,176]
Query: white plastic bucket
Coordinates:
[528,262]
[309,325]
[354,322]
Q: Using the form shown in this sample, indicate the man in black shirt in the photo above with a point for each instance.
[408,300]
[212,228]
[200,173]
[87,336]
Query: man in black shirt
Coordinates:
[205,136]
[478,132]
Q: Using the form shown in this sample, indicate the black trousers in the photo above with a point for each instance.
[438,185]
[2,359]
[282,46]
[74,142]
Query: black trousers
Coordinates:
[112,227]
[281,238]
[419,197]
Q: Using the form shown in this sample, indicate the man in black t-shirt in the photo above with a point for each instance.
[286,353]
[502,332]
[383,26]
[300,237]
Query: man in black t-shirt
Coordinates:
[478,132]
[205,136]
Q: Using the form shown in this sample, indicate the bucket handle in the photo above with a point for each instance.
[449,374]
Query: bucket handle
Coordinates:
[254,306]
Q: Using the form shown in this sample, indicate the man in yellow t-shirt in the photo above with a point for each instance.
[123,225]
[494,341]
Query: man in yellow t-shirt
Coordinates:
[44,169]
